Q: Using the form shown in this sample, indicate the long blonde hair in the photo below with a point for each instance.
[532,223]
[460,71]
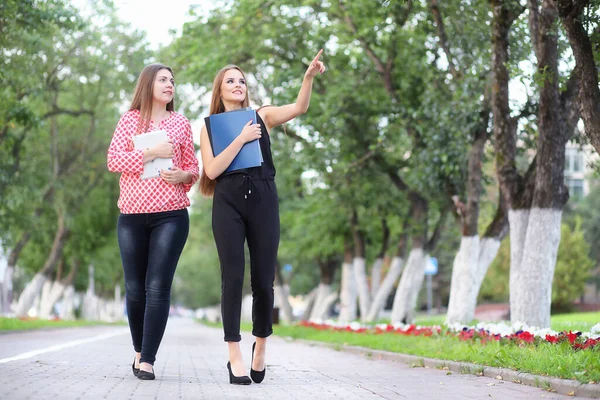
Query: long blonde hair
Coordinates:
[143,95]
[207,185]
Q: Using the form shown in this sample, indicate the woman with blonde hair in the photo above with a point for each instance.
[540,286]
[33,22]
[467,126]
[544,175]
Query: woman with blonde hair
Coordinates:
[245,208]
[153,225]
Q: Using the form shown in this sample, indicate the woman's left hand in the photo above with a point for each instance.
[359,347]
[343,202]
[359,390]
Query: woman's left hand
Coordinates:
[315,66]
[174,175]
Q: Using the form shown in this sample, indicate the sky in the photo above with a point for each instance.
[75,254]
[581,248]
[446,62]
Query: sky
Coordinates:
[153,17]
[156,19]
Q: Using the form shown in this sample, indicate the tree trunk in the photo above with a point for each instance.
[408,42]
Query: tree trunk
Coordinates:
[535,202]
[589,93]
[410,284]
[33,288]
[90,308]
[380,298]
[360,267]
[56,291]
[67,312]
[348,288]
[322,302]
[7,295]
[7,291]
[378,263]
[325,296]
[282,297]
[470,266]
[412,277]
[309,304]
[376,277]
[532,270]
[386,288]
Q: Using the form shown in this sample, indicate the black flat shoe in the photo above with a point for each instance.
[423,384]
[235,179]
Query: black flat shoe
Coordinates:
[257,376]
[134,369]
[145,375]
[237,380]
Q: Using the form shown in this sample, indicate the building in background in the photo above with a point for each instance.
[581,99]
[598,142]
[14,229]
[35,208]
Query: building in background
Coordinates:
[578,169]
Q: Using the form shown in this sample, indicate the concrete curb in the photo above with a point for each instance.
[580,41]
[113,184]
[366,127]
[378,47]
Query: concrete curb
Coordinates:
[555,385]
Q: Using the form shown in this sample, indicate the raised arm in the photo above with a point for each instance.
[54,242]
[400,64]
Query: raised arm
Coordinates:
[274,116]
[214,166]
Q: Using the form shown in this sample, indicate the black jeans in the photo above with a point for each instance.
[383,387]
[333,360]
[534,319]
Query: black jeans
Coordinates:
[246,209]
[150,247]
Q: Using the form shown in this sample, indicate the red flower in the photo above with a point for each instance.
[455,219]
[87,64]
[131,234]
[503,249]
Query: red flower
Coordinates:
[526,336]
[572,337]
[552,339]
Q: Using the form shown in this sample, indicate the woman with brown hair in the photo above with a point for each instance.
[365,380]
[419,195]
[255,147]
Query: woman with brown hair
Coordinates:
[153,224]
[245,207]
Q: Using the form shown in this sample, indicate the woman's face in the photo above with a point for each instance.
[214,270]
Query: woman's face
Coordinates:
[233,87]
[164,87]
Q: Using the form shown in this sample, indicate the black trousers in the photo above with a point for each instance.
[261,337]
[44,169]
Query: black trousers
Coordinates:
[246,208]
[150,247]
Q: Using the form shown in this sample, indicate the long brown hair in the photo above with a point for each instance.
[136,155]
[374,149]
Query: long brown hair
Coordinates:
[207,185]
[143,95]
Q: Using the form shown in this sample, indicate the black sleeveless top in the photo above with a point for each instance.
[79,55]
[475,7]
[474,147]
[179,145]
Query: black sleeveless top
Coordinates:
[267,170]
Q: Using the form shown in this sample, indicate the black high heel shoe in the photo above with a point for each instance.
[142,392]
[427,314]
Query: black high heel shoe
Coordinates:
[134,369]
[257,376]
[237,380]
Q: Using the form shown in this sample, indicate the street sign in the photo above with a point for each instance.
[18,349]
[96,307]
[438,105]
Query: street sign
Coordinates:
[431,268]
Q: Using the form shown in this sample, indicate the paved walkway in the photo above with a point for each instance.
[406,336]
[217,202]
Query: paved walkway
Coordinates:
[95,363]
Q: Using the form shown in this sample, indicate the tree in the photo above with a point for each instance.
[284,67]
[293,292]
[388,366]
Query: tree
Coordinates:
[534,200]
[82,69]
[582,25]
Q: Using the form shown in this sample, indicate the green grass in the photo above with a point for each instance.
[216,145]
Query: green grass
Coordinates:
[574,322]
[545,359]
[15,324]
[560,322]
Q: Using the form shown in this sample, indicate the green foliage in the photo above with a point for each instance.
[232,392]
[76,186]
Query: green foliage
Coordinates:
[494,287]
[572,267]
[65,79]
[197,281]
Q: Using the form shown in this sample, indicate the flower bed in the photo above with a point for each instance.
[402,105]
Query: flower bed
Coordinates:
[519,334]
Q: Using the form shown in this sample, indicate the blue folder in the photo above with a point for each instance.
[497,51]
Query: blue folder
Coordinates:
[223,128]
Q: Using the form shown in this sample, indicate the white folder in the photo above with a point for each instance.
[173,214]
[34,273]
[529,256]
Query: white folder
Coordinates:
[149,140]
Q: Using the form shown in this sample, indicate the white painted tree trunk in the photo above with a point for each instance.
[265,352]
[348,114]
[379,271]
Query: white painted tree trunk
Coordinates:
[323,294]
[348,293]
[67,311]
[7,291]
[327,304]
[362,286]
[409,287]
[50,297]
[90,307]
[281,301]
[309,304]
[534,247]
[385,289]
[376,277]
[46,287]
[27,297]
[470,266]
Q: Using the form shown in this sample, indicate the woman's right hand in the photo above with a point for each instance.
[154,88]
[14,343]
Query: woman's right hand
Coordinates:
[163,150]
[250,132]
